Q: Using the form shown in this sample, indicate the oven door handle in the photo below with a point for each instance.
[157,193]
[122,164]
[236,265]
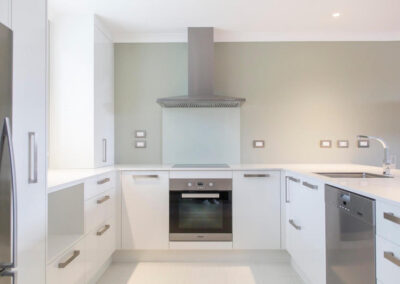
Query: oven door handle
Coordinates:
[200,195]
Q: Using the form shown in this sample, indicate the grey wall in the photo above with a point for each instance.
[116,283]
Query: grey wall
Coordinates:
[297,94]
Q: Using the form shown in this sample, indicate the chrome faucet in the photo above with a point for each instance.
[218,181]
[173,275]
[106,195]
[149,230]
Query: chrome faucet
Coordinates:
[386,161]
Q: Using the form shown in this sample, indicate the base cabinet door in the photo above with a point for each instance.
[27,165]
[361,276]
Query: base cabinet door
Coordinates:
[256,210]
[305,227]
[69,268]
[145,210]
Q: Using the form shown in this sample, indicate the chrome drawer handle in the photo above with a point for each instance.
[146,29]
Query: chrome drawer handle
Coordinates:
[256,175]
[296,180]
[390,256]
[103,181]
[200,195]
[104,199]
[391,217]
[69,260]
[102,231]
[145,176]
[309,185]
[297,227]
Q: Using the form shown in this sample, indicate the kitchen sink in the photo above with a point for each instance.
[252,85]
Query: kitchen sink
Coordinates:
[353,175]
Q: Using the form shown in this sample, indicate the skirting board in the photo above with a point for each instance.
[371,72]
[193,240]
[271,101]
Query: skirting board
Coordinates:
[232,256]
[299,271]
[100,271]
[201,245]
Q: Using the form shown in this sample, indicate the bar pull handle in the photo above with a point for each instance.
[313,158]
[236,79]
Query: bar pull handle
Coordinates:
[256,175]
[103,181]
[296,180]
[33,158]
[391,217]
[104,150]
[311,186]
[287,200]
[145,176]
[102,231]
[104,199]
[69,260]
[6,136]
[200,195]
[390,256]
[297,227]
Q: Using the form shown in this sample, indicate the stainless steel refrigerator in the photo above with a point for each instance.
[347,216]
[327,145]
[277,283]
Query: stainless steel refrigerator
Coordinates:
[8,200]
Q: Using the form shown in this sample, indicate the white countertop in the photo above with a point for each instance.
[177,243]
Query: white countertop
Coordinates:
[385,189]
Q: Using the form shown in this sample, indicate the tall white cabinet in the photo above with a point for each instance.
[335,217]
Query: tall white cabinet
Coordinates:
[81,93]
[28,22]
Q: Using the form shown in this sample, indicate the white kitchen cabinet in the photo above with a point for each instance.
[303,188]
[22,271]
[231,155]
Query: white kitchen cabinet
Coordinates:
[81,93]
[256,210]
[28,22]
[305,226]
[5,12]
[69,268]
[387,261]
[145,210]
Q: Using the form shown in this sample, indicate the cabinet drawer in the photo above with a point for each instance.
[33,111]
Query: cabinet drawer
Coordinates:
[387,261]
[99,184]
[98,209]
[388,221]
[99,246]
[69,268]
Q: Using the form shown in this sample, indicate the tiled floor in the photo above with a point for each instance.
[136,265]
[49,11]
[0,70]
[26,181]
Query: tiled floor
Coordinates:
[200,273]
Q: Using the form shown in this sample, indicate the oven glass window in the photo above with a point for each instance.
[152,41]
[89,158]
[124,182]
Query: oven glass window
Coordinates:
[197,212]
[201,213]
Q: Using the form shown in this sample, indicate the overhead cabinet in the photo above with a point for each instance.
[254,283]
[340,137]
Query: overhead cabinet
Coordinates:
[81,93]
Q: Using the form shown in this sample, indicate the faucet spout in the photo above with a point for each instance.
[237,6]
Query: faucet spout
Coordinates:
[386,161]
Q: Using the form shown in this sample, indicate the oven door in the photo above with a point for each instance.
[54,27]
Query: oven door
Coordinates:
[200,216]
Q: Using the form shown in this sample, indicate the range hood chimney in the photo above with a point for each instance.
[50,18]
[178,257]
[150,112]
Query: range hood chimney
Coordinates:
[201,75]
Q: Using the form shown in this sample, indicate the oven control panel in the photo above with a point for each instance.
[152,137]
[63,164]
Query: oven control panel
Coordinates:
[200,184]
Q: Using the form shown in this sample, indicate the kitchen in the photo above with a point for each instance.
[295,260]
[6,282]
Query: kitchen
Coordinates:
[231,143]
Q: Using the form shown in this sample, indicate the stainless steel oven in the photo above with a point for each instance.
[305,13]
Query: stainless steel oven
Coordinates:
[200,210]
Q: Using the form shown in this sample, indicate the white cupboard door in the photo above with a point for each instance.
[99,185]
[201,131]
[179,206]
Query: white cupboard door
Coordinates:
[145,210]
[69,268]
[312,209]
[29,24]
[5,12]
[103,99]
[256,210]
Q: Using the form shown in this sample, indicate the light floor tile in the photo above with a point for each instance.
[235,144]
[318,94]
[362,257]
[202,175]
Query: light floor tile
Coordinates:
[199,273]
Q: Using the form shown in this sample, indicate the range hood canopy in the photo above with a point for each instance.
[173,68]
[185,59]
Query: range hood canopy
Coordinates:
[201,75]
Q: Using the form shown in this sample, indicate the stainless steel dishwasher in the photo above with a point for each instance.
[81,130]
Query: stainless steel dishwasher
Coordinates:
[350,237]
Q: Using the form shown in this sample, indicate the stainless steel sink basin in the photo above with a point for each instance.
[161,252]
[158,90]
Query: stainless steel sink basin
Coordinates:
[353,175]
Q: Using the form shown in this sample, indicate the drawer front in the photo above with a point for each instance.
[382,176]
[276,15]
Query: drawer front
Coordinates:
[388,222]
[387,261]
[99,209]
[99,246]
[69,268]
[99,184]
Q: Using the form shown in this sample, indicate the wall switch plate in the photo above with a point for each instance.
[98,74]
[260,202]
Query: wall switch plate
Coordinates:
[140,133]
[325,143]
[343,143]
[140,144]
[258,143]
[363,143]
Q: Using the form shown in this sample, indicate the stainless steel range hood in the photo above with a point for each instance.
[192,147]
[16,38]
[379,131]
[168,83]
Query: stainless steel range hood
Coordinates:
[201,75]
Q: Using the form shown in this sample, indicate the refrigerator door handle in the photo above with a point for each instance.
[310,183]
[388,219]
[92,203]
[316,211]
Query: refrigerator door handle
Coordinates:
[6,136]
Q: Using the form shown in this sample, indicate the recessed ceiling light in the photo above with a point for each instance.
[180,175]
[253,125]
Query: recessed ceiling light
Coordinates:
[336,15]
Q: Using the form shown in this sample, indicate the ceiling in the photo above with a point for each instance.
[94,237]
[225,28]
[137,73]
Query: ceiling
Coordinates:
[242,20]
